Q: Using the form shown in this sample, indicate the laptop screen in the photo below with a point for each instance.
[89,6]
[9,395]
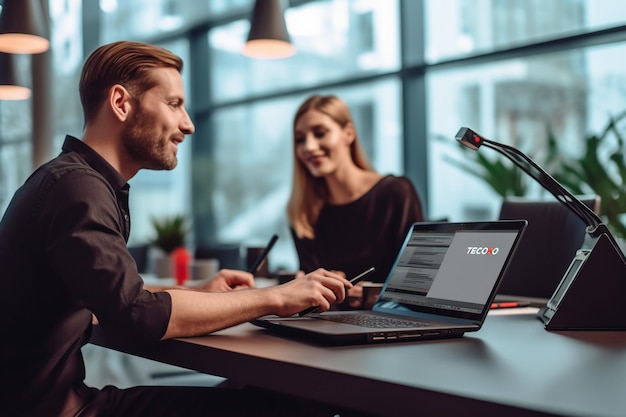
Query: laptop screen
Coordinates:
[450,268]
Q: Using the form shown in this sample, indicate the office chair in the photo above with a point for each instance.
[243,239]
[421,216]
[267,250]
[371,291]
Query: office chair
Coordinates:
[553,236]
[140,254]
[228,255]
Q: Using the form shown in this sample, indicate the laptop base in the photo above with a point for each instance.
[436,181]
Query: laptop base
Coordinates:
[366,337]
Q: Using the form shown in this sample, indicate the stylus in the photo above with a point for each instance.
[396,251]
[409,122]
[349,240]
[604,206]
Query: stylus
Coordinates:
[258,262]
[352,281]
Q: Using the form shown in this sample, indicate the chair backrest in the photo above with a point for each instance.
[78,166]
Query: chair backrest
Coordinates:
[228,255]
[549,243]
[140,254]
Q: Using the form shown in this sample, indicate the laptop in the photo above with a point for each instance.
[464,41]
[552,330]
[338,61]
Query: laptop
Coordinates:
[441,285]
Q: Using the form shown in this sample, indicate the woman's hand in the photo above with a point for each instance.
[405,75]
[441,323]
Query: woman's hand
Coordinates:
[355,296]
[225,280]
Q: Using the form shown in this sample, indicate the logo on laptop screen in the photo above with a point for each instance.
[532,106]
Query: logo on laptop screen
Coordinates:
[482,250]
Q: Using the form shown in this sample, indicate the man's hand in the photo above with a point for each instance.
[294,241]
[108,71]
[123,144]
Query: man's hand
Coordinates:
[215,306]
[319,288]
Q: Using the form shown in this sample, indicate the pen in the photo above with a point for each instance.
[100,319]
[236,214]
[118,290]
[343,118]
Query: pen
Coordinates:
[258,262]
[361,275]
[354,280]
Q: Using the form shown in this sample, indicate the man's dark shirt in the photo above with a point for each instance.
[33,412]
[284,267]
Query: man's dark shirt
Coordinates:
[63,257]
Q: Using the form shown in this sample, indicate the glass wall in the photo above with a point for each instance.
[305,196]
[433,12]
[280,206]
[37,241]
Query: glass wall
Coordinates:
[520,100]
[516,101]
[247,165]
[455,28]
[335,40]
[143,19]
[515,71]
[15,147]
[253,160]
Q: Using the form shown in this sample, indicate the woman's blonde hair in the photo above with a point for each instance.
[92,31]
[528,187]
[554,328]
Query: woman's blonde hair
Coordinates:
[308,193]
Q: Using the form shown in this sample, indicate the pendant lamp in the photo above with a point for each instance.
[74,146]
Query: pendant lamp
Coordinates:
[23,28]
[268,37]
[11,87]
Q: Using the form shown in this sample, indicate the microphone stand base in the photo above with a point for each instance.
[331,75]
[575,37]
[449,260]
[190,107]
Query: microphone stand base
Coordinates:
[591,295]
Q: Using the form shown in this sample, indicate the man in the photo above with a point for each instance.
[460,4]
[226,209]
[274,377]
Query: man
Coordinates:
[63,258]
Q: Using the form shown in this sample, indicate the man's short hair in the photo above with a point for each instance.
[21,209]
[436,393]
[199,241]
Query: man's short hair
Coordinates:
[126,63]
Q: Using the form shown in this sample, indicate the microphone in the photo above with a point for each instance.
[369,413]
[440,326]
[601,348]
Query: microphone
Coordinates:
[590,294]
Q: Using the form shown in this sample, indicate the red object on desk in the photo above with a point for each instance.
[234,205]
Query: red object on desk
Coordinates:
[181,258]
[510,304]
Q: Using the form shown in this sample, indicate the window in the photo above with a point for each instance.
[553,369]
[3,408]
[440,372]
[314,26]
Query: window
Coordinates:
[16,131]
[335,40]
[478,26]
[240,159]
[142,19]
[517,101]
[253,162]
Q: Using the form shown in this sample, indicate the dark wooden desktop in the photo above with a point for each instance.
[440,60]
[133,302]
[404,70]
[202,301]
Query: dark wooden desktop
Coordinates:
[511,367]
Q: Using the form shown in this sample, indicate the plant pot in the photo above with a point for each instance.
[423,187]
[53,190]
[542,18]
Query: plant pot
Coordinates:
[163,265]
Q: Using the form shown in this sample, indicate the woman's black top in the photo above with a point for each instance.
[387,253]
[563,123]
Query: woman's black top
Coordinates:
[364,233]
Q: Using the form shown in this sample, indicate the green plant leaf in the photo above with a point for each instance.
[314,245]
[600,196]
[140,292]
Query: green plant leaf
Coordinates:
[504,179]
[170,232]
[605,176]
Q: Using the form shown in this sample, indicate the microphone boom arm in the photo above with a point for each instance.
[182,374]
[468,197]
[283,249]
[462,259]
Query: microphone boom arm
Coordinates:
[590,294]
[473,140]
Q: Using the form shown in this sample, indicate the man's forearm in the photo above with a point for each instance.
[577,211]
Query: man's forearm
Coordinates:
[196,313]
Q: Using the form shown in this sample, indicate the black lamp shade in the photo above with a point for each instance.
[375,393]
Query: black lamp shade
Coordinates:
[23,28]
[11,87]
[268,37]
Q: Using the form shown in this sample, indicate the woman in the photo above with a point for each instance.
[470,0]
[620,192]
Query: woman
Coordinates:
[344,216]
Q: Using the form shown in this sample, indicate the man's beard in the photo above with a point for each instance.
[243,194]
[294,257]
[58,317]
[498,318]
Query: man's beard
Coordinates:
[144,146]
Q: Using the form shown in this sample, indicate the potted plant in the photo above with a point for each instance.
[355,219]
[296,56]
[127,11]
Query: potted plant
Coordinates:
[601,170]
[170,234]
[505,178]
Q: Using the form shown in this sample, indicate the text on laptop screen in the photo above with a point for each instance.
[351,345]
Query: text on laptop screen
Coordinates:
[449,270]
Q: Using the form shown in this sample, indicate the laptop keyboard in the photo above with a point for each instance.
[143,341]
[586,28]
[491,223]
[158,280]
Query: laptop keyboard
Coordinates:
[376,322]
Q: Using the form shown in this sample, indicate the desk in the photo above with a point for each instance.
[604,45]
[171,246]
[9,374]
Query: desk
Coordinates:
[511,367]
